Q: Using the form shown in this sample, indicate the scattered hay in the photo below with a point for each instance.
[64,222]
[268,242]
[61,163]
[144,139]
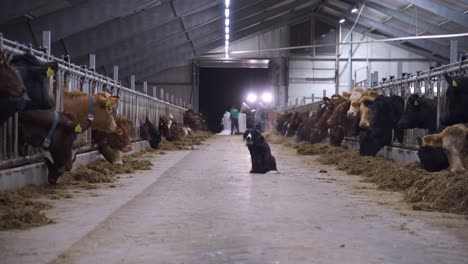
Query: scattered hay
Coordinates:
[441,191]
[186,143]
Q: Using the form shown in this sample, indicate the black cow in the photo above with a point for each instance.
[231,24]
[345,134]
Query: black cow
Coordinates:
[33,74]
[386,113]
[457,100]
[11,87]
[282,123]
[149,132]
[420,112]
[432,158]
[371,140]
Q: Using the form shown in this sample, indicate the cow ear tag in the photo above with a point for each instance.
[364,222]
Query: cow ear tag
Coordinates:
[416,103]
[78,129]
[50,72]
[424,144]
[108,104]
[454,83]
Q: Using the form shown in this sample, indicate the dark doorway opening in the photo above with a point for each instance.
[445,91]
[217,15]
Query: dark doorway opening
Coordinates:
[220,88]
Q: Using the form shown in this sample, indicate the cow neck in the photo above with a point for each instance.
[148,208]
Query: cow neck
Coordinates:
[81,105]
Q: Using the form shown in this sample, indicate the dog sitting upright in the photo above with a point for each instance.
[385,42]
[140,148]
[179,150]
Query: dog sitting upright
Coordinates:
[260,154]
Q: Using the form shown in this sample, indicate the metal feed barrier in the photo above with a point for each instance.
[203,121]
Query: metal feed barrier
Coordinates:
[134,105]
[432,84]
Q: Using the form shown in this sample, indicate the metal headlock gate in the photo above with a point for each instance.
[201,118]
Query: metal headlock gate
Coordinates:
[134,105]
[431,83]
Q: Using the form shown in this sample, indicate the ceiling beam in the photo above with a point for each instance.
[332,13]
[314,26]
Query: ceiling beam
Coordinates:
[11,9]
[443,11]
[393,32]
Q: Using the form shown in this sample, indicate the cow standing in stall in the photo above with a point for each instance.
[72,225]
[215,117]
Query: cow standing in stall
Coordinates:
[320,130]
[170,129]
[11,86]
[149,132]
[340,125]
[305,129]
[294,123]
[457,100]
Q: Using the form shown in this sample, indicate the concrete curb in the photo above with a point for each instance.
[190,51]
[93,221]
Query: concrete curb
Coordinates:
[36,173]
[393,153]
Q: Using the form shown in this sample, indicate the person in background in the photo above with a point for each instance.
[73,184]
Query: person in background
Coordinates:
[234,120]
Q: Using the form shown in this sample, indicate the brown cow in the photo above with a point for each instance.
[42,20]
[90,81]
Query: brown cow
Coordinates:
[294,123]
[78,103]
[355,96]
[110,145]
[320,130]
[454,141]
[11,88]
[340,124]
[34,127]
[364,109]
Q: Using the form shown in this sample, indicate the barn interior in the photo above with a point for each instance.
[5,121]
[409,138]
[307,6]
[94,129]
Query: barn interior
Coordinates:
[147,142]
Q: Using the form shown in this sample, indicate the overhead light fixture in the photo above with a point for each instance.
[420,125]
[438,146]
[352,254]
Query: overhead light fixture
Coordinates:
[251,97]
[226,29]
[226,12]
[227,37]
[226,49]
[227,2]
[267,97]
[342,20]
[354,9]
[226,42]
[226,22]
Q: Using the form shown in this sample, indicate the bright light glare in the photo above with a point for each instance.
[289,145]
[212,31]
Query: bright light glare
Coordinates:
[226,43]
[226,49]
[227,37]
[227,2]
[342,21]
[267,97]
[226,12]
[226,29]
[354,10]
[226,22]
[251,97]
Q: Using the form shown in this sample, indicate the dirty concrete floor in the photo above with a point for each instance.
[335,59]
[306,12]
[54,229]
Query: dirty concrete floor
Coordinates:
[206,208]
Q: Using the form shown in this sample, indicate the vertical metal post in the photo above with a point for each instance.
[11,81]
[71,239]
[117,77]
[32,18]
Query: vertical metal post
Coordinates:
[154,92]
[116,74]
[324,93]
[350,63]
[167,97]
[1,41]
[453,50]
[313,98]
[132,82]
[297,101]
[92,62]
[440,82]
[145,87]
[46,42]
[162,94]
[172,99]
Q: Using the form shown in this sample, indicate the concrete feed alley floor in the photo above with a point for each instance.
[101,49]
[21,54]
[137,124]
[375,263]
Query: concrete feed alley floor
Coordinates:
[203,206]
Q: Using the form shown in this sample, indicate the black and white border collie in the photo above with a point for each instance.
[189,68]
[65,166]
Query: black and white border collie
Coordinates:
[260,154]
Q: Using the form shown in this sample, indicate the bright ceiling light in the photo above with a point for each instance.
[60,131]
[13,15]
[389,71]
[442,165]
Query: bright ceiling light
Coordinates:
[342,20]
[226,42]
[226,22]
[226,37]
[226,12]
[226,49]
[251,97]
[354,9]
[226,29]
[267,97]
[227,2]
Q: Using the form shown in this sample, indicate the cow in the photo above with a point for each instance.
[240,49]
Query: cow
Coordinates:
[36,128]
[11,86]
[149,132]
[282,122]
[432,158]
[453,140]
[457,100]
[170,129]
[93,111]
[320,130]
[33,74]
[420,112]
[372,140]
[294,123]
[304,130]
[189,119]
[110,145]
[356,94]
[340,125]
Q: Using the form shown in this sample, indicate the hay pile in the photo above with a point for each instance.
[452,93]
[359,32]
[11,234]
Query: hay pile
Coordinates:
[441,191]
[20,209]
[186,143]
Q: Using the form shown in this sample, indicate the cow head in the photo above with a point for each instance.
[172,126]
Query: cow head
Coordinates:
[432,158]
[11,87]
[354,97]
[339,115]
[154,136]
[144,132]
[121,139]
[364,105]
[453,140]
[457,99]
[103,103]
[413,116]
[33,74]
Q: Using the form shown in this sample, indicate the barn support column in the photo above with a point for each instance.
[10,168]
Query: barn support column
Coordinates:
[453,51]
[350,63]
[116,74]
